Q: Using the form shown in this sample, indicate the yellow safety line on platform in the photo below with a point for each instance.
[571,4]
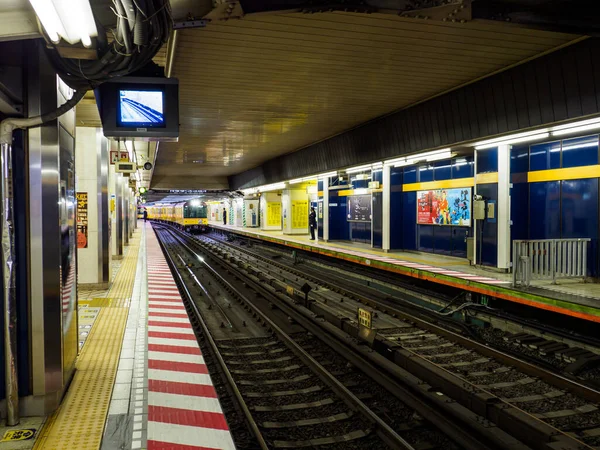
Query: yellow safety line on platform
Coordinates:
[78,423]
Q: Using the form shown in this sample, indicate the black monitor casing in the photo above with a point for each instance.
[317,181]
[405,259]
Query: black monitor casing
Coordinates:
[107,99]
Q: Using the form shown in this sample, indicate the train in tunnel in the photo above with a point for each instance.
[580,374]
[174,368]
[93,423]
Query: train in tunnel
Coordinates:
[189,216]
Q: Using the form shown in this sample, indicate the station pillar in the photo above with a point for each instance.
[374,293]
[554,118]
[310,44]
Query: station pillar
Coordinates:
[116,211]
[325,209]
[93,245]
[52,251]
[504,221]
[387,192]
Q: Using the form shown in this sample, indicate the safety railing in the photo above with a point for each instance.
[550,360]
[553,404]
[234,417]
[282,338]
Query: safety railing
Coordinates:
[549,259]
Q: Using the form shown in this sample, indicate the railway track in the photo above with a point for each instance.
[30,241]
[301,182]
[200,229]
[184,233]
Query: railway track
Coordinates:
[293,390]
[510,392]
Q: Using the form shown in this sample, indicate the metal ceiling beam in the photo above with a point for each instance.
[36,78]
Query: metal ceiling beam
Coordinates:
[564,16]
[18,24]
[410,8]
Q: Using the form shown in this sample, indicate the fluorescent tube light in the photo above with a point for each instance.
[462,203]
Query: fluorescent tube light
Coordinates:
[579,123]
[358,168]
[72,20]
[515,140]
[296,181]
[518,137]
[271,187]
[591,126]
[327,174]
[439,156]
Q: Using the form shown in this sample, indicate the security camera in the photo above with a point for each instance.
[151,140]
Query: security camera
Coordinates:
[148,166]
[477,197]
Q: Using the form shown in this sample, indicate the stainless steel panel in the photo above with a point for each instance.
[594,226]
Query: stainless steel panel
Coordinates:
[52,256]
[44,248]
[103,210]
[119,212]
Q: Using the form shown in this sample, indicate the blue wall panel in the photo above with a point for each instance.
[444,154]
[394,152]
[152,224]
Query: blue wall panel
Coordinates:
[544,156]
[462,167]
[487,160]
[425,236]
[409,220]
[544,213]
[425,173]
[442,239]
[442,170]
[487,250]
[396,208]
[459,246]
[580,151]
[579,201]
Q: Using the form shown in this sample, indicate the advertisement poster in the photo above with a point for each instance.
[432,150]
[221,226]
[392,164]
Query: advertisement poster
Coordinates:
[274,214]
[444,207]
[300,214]
[359,208]
[82,220]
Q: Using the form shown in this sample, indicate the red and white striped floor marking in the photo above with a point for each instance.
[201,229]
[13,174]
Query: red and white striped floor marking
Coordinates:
[184,412]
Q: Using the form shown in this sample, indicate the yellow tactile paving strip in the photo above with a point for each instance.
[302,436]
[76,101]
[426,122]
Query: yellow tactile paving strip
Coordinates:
[78,424]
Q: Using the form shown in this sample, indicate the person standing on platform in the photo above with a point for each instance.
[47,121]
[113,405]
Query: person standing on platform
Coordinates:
[145,214]
[312,222]
[224,216]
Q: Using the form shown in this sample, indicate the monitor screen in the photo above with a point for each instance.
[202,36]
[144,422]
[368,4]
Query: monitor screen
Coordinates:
[141,108]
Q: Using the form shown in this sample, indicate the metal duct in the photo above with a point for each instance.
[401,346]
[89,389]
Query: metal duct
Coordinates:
[10,299]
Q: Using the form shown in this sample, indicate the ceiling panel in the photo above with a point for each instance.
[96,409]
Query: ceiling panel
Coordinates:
[265,85]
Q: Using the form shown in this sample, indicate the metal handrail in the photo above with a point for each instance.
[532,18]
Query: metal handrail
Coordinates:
[549,259]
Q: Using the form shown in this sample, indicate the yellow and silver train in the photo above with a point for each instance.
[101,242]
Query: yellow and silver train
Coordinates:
[189,216]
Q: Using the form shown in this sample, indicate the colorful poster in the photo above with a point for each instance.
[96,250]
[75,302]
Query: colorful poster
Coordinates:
[300,214]
[444,207]
[273,214]
[82,220]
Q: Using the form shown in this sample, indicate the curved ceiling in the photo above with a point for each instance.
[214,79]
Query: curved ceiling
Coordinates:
[268,84]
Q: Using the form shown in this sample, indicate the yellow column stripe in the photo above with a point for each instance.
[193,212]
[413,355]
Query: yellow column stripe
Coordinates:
[79,421]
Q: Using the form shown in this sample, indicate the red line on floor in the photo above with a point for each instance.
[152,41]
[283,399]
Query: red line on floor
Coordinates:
[174,349]
[162,334]
[175,366]
[158,323]
[160,445]
[172,387]
[187,417]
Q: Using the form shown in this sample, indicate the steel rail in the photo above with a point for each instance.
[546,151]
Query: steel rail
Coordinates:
[425,369]
[428,403]
[385,432]
[526,367]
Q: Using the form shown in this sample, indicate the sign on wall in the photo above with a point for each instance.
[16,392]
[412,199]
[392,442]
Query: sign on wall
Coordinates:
[444,207]
[273,214]
[82,220]
[359,208]
[300,214]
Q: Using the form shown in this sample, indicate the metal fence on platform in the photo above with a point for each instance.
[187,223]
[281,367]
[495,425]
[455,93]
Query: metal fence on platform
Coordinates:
[549,259]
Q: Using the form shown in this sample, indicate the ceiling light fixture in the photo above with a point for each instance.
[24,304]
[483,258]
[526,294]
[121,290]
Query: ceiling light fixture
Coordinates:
[511,138]
[572,128]
[71,20]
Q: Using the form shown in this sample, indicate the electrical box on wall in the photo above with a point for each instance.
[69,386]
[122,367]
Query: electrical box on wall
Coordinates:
[479,210]
[491,211]
[374,185]
[125,167]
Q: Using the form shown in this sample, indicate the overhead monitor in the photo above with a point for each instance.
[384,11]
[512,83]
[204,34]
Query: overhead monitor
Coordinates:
[140,107]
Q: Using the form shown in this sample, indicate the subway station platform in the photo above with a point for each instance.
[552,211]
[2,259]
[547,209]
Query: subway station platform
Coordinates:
[569,297]
[141,381]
